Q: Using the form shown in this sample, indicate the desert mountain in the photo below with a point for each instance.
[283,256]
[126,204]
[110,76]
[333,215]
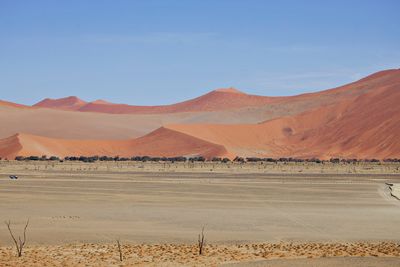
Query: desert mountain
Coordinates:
[11,104]
[220,99]
[358,120]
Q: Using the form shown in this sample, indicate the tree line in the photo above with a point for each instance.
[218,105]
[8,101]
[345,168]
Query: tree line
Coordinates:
[91,159]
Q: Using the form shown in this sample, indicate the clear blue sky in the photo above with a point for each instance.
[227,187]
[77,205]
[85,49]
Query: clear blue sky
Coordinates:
[160,52]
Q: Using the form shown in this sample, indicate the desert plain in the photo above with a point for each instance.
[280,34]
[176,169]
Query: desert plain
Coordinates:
[199,133]
[253,214]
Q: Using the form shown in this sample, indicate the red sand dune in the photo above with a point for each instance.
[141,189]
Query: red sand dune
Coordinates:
[357,120]
[67,103]
[362,126]
[10,104]
[220,99]
[162,142]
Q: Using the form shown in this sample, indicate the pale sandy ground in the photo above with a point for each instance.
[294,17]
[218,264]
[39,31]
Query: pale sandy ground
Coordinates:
[290,168]
[336,213]
[326,262]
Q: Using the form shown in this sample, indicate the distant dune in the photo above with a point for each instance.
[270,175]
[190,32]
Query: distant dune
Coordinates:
[358,120]
[219,99]
[68,103]
[10,104]
[162,142]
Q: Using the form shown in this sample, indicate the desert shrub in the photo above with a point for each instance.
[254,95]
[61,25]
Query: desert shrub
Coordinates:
[283,160]
[201,242]
[199,159]
[105,158]
[179,159]
[239,159]
[391,160]
[334,160]
[19,242]
[226,160]
[83,158]
[349,161]
[253,159]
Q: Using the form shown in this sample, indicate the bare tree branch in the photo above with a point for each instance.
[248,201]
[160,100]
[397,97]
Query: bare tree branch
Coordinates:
[201,242]
[119,250]
[18,245]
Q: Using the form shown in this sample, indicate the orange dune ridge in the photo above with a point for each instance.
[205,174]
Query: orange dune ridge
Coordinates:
[162,142]
[357,120]
[71,124]
[226,98]
[363,126]
[221,99]
[11,104]
[67,103]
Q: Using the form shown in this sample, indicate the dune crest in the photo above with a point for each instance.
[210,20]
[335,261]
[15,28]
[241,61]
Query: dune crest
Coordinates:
[223,99]
[11,104]
[67,103]
[229,90]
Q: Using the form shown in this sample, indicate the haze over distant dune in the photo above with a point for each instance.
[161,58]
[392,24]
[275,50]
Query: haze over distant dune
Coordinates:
[357,120]
[220,99]
[10,104]
[67,103]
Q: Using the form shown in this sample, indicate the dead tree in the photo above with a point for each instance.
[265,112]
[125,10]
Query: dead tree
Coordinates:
[20,243]
[119,250]
[201,242]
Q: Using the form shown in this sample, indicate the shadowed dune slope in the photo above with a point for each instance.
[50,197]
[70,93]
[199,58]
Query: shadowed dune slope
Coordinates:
[362,126]
[368,126]
[162,142]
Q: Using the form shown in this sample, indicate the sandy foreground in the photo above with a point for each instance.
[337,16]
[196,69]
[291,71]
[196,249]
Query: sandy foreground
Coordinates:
[78,211]
[187,255]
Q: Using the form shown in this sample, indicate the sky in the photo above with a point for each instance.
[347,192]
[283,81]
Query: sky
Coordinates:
[160,52]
